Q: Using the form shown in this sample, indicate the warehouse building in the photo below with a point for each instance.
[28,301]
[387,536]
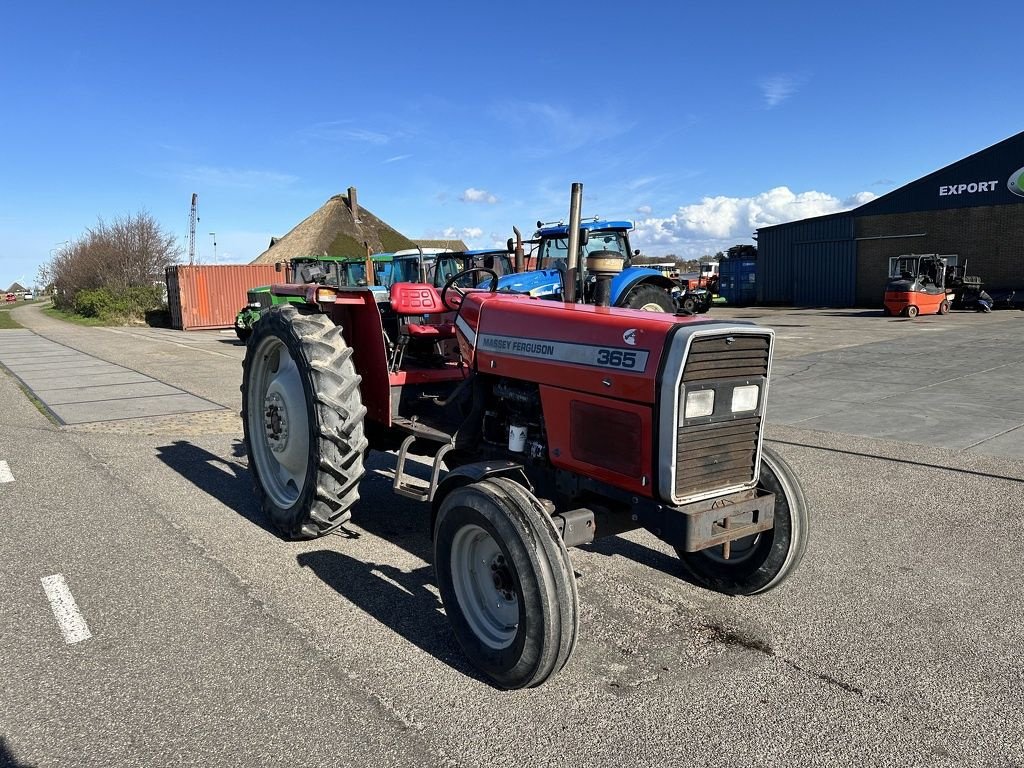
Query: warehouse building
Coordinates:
[971,211]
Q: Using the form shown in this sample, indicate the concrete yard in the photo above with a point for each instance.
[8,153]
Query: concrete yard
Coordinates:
[215,643]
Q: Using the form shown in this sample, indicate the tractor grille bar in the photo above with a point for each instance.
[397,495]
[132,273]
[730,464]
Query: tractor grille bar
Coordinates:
[720,451]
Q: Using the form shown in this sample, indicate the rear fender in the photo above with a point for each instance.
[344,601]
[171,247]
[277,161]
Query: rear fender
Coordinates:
[357,314]
[628,279]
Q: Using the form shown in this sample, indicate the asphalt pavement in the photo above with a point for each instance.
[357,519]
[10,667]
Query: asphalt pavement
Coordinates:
[214,642]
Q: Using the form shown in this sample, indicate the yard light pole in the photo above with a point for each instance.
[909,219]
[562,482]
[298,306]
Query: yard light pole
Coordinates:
[214,236]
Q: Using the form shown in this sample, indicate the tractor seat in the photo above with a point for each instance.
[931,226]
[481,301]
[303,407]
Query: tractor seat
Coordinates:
[421,299]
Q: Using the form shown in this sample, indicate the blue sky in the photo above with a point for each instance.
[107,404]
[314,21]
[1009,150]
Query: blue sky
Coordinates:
[699,121]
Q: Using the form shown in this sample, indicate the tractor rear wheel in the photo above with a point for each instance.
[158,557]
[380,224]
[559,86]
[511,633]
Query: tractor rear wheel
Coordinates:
[911,311]
[302,416]
[763,561]
[506,582]
[649,298]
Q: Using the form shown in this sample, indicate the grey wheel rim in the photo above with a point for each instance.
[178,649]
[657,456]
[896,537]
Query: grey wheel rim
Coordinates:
[484,587]
[651,306]
[278,423]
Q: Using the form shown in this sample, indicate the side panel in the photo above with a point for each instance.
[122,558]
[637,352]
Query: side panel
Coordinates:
[602,438]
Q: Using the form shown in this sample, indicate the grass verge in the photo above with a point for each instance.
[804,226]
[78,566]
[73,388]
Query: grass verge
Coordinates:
[71,317]
[7,322]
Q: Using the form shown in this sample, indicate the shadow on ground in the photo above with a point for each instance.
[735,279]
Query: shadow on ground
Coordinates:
[611,546]
[7,759]
[226,480]
[400,601]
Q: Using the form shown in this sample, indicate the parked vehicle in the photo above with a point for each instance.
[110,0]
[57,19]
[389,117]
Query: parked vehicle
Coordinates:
[28,296]
[606,244]
[917,285]
[557,423]
[327,270]
[11,298]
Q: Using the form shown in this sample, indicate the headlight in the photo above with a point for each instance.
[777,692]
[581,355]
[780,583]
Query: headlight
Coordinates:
[700,402]
[745,398]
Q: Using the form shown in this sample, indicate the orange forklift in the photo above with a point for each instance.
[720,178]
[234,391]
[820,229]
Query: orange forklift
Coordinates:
[917,286]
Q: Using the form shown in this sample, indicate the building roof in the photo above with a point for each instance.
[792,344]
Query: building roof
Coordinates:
[336,230]
[16,288]
[451,245]
[991,176]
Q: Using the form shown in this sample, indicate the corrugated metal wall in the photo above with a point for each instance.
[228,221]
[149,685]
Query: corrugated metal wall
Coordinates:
[810,263]
[210,295]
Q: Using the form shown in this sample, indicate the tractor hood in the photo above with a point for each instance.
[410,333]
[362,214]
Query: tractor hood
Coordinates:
[540,282]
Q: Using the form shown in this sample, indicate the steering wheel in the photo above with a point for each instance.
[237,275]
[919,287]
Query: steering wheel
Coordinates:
[450,285]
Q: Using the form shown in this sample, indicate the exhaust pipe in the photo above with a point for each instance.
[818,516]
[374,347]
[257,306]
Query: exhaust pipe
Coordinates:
[572,266]
[520,256]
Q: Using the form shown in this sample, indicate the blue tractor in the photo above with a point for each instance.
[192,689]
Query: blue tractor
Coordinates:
[604,253]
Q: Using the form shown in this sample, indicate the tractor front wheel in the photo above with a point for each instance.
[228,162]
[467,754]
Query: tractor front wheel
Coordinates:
[760,562]
[650,298]
[506,582]
[944,308]
[302,416]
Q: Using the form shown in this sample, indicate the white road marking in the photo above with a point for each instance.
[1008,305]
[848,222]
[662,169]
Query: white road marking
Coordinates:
[65,610]
[6,476]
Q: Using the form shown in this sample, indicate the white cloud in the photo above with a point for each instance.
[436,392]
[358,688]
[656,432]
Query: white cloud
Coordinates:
[234,177]
[345,130]
[777,88]
[473,195]
[465,233]
[715,223]
[397,158]
[644,210]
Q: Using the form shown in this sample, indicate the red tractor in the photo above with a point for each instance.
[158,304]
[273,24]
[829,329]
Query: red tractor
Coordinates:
[548,424]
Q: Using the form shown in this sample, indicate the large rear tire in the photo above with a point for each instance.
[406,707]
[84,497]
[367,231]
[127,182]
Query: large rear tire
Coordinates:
[649,298]
[302,416]
[506,583]
[763,561]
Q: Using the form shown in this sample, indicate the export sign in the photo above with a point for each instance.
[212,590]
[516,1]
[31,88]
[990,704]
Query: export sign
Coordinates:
[1015,184]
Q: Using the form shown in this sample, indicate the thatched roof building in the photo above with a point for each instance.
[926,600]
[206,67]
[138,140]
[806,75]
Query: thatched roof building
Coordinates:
[339,227]
[451,245]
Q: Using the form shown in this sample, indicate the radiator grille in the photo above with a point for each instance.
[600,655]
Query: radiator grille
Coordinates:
[260,297]
[714,358]
[720,452]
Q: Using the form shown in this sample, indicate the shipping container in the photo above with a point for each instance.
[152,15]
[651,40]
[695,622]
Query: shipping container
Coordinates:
[737,281]
[210,295]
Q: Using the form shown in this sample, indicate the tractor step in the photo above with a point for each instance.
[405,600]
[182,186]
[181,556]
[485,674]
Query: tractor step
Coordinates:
[415,490]
[419,430]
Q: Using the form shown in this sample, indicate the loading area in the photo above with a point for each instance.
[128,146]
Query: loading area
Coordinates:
[77,388]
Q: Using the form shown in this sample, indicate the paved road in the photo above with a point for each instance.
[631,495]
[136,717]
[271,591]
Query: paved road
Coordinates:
[216,643]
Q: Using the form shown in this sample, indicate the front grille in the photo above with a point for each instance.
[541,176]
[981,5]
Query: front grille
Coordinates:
[260,297]
[713,357]
[720,451]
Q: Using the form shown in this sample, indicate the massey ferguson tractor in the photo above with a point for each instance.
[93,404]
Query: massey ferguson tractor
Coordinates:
[546,424]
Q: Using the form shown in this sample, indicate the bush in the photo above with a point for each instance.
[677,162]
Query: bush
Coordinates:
[118,304]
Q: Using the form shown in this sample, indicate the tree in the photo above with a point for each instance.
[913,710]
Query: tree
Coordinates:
[131,252]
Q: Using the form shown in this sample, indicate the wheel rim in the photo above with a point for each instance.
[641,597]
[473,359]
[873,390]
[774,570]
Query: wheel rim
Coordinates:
[278,424]
[651,306]
[485,587]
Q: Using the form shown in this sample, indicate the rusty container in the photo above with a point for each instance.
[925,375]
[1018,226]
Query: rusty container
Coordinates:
[210,295]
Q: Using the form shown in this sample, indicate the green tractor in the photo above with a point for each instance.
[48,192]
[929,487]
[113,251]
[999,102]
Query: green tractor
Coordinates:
[326,270]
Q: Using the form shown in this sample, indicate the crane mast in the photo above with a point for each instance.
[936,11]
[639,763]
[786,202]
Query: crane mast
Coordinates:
[192,219]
